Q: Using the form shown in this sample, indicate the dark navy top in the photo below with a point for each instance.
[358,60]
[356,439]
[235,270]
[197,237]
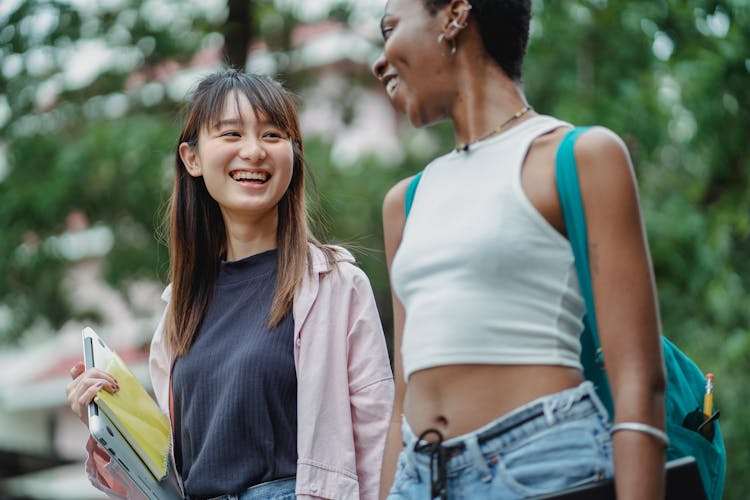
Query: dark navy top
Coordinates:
[235,391]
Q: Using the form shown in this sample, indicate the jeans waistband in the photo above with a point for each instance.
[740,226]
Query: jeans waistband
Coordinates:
[545,411]
[543,406]
[503,426]
[257,487]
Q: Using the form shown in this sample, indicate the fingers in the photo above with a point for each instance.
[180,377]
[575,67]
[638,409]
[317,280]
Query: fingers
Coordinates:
[111,383]
[80,406]
[77,369]
[82,390]
[79,374]
[77,394]
[84,399]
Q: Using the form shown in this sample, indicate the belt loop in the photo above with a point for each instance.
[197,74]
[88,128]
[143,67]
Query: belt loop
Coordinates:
[573,398]
[477,459]
[548,407]
[594,397]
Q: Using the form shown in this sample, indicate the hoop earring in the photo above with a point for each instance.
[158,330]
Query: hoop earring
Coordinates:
[455,24]
[441,39]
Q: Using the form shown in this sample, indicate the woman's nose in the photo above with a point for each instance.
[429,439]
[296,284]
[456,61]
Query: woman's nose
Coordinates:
[252,150]
[378,67]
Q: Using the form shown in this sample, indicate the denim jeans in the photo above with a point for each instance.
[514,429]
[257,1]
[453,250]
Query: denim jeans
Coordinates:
[278,489]
[555,442]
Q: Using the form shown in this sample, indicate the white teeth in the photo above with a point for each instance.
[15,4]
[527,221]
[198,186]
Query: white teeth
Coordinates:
[392,86]
[249,176]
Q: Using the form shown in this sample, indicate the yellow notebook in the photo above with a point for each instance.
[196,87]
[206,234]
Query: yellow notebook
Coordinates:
[137,416]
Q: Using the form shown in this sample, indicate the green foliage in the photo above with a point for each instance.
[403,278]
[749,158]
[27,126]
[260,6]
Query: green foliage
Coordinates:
[681,116]
[115,173]
[670,76]
[83,144]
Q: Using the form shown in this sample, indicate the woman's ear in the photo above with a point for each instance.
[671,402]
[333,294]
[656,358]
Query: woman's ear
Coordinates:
[457,18]
[190,159]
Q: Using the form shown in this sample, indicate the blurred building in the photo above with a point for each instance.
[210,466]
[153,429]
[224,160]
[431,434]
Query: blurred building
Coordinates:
[41,439]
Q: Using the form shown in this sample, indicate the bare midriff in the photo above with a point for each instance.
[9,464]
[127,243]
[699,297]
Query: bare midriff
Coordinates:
[456,399]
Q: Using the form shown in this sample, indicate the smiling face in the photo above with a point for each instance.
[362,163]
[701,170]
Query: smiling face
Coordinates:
[245,160]
[415,68]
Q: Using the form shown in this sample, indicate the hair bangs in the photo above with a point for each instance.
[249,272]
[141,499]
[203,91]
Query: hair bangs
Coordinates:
[273,103]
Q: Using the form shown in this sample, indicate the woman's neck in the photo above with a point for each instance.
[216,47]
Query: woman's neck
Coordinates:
[248,238]
[486,99]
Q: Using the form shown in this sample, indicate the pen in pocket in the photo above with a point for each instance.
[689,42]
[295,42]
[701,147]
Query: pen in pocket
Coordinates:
[706,427]
[708,397]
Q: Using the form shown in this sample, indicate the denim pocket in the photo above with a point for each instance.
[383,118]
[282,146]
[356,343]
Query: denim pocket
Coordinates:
[403,479]
[283,496]
[279,489]
[565,455]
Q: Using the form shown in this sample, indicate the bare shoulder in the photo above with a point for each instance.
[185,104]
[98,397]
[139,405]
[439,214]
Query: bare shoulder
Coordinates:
[604,166]
[600,150]
[394,217]
[394,207]
[393,203]
[600,140]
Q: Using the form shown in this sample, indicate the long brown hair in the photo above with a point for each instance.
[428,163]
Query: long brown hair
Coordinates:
[197,236]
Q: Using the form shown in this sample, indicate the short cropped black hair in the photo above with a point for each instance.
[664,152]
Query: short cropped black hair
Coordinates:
[504,28]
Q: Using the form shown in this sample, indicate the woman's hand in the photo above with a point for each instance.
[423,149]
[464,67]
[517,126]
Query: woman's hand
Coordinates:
[85,385]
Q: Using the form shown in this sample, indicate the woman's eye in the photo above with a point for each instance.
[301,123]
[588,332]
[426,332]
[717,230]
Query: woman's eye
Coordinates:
[274,135]
[385,31]
[230,133]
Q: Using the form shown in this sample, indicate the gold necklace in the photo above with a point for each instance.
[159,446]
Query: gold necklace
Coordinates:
[518,114]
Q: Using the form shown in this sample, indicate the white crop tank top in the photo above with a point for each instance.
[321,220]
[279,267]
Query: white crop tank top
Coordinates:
[483,277]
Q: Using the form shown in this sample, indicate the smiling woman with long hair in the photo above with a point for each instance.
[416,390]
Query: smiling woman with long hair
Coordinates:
[270,358]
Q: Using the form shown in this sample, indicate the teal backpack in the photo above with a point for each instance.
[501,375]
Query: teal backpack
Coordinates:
[685,382]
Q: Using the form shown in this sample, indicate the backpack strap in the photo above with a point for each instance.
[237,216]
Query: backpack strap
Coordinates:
[575,218]
[411,189]
[569,191]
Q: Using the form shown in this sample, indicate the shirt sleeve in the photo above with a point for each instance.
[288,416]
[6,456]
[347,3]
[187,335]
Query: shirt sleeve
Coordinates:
[371,386]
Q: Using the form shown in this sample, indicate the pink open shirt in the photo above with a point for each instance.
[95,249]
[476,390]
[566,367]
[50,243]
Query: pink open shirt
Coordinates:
[344,387]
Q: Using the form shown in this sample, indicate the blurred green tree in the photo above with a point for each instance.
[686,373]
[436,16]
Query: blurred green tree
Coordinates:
[670,76]
[88,120]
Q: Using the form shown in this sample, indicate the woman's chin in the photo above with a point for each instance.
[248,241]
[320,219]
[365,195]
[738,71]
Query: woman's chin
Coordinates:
[417,115]
[420,120]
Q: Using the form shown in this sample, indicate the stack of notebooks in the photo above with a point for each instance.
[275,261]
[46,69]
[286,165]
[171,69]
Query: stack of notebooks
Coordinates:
[129,424]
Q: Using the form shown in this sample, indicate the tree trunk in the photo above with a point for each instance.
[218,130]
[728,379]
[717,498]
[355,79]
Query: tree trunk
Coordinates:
[238,31]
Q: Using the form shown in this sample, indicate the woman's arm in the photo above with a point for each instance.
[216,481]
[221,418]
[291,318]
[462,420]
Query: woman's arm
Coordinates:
[393,227]
[626,307]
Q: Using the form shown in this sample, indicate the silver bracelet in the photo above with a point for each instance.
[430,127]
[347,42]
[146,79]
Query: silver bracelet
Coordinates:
[639,427]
